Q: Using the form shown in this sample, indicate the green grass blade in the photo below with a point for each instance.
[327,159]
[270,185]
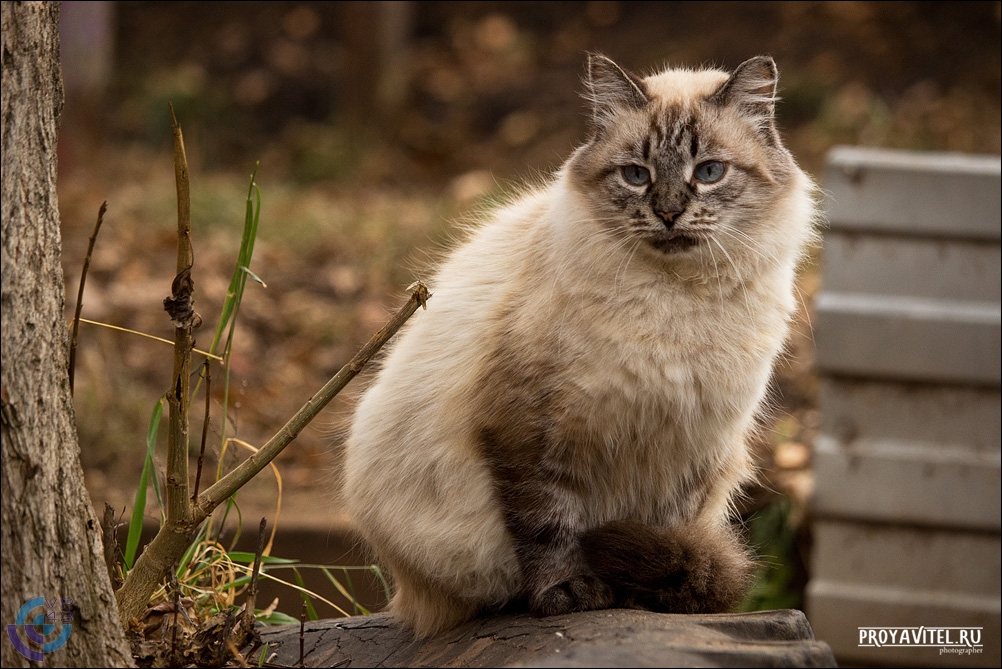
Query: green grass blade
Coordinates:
[139,505]
[234,293]
[350,596]
[386,586]
[310,611]
[248,558]
[189,553]
[278,618]
[136,522]
[351,591]
[235,583]
[232,504]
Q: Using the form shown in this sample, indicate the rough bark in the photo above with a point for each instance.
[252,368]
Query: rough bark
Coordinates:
[610,638]
[51,539]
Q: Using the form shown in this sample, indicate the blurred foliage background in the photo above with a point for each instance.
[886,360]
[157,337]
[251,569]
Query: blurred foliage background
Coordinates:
[378,126]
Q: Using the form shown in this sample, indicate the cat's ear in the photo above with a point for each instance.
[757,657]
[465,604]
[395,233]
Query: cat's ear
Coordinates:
[611,89]
[751,89]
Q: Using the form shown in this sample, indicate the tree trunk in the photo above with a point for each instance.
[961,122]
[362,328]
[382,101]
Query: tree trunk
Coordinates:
[51,539]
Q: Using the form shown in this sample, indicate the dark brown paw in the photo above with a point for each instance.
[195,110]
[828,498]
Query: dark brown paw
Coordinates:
[582,592]
[677,570]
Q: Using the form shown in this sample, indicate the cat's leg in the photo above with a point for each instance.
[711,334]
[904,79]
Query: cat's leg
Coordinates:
[427,608]
[543,515]
[543,520]
[532,461]
[432,520]
[687,569]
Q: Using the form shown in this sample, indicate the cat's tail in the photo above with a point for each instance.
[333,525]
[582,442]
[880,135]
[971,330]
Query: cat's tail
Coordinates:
[673,570]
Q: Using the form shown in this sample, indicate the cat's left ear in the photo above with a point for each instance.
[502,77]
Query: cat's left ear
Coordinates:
[751,89]
[611,89]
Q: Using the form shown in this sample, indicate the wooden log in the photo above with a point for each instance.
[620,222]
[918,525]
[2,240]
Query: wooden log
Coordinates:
[608,638]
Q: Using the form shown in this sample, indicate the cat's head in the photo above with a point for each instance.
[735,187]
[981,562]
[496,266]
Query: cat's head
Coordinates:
[688,164]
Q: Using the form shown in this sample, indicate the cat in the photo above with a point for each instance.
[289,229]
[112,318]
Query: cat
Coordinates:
[565,427]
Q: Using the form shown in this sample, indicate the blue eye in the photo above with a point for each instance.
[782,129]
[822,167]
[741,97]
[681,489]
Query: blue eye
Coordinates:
[710,172]
[636,175]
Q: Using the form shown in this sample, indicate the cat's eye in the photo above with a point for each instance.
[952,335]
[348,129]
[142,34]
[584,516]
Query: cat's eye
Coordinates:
[636,175]
[709,172]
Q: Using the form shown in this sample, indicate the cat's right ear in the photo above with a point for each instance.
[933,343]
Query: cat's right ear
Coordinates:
[752,90]
[611,89]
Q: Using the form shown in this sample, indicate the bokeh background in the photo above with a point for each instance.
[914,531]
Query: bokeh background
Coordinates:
[379,128]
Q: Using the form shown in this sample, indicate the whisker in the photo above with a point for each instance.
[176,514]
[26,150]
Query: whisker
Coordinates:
[629,259]
[741,281]
[716,273]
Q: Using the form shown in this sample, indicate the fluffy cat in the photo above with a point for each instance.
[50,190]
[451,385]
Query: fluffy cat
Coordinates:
[565,426]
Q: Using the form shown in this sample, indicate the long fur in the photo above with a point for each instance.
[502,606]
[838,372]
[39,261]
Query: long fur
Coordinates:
[565,425]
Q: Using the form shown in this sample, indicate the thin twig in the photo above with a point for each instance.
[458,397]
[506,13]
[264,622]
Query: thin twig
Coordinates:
[149,336]
[207,375]
[229,484]
[302,636]
[227,632]
[80,291]
[252,591]
[177,605]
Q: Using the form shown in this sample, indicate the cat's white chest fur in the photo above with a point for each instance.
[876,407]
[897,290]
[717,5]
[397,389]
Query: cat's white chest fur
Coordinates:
[664,374]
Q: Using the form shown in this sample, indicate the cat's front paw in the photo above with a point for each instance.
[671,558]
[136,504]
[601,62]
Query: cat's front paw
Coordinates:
[581,592]
[674,570]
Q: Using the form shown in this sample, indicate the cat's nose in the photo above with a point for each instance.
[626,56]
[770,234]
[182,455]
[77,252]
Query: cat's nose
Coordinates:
[669,216]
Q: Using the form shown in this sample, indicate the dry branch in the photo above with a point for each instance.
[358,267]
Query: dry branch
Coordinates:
[232,482]
[180,308]
[207,375]
[175,535]
[173,538]
[80,292]
[184,515]
[251,602]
